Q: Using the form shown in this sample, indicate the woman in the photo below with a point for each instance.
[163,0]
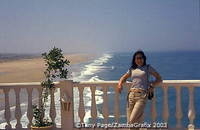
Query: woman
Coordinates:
[137,96]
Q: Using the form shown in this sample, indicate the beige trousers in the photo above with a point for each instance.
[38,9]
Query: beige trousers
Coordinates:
[135,107]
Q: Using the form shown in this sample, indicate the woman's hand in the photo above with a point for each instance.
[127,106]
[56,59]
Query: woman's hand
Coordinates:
[119,88]
[121,81]
[158,79]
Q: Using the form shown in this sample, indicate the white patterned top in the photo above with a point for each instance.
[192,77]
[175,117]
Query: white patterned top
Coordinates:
[139,76]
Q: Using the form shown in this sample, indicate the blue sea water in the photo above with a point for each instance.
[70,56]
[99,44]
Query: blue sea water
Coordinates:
[182,65]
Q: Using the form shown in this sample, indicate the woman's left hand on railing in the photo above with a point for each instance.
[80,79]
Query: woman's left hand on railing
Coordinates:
[119,88]
[122,80]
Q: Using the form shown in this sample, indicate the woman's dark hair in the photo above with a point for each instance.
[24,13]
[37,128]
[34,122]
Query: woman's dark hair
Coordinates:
[133,64]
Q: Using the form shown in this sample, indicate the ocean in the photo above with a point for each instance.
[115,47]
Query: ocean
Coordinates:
[181,65]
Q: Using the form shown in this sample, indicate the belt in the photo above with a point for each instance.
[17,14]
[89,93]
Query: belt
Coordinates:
[137,90]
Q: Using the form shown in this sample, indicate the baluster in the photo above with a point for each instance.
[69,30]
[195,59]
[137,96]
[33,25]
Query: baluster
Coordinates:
[7,108]
[30,108]
[165,104]
[93,104]
[191,110]
[40,99]
[153,108]
[81,110]
[52,107]
[18,113]
[105,104]
[178,106]
[116,106]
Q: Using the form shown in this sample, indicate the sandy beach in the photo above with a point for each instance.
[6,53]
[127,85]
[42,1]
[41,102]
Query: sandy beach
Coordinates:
[31,70]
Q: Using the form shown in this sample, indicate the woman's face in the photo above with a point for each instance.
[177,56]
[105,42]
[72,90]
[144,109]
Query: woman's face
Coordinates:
[139,60]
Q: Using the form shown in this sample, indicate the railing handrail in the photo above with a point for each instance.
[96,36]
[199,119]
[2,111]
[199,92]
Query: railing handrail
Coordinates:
[165,82]
[23,84]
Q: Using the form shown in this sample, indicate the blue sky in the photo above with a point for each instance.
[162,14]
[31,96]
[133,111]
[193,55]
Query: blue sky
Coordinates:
[99,25]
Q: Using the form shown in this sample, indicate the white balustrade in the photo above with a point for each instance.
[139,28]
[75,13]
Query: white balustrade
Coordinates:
[165,104]
[191,109]
[7,108]
[81,110]
[93,104]
[18,113]
[105,104]
[52,107]
[30,108]
[40,98]
[179,113]
[67,87]
[116,104]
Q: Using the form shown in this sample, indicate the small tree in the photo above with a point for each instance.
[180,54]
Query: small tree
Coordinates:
[56,69]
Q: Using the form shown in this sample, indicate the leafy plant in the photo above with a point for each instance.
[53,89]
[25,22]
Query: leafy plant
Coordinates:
[56,69]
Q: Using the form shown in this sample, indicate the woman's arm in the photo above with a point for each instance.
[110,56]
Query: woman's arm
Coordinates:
[122,80]
[158,79]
